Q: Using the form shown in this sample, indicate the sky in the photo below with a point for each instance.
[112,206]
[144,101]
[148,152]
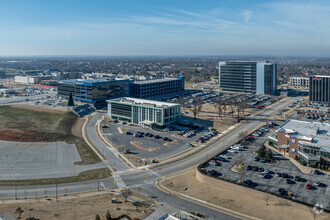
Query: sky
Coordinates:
[164,27]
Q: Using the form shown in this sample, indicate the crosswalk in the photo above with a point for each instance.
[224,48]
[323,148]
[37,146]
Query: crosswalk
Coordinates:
[129,170]
[139,185]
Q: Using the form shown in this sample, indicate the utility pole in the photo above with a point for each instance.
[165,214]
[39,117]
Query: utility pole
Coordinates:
[56,192]
[16,192]
[98,185]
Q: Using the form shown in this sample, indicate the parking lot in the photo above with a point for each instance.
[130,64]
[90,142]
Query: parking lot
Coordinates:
[150,147]
[272,182]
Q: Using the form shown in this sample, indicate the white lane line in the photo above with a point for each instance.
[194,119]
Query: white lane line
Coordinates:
[301,198]
[265,188]
[153,173]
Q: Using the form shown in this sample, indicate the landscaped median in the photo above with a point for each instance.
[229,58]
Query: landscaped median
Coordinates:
[232,199]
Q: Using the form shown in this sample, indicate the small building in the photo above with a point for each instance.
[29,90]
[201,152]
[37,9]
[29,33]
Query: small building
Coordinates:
[95,91]
[308,141]
[299,82]
[143,112]
[156,87]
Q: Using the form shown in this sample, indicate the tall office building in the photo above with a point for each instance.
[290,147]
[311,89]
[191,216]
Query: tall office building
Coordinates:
[248,76]
[319,89]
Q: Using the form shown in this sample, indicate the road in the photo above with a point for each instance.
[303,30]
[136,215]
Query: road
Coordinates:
[142,181]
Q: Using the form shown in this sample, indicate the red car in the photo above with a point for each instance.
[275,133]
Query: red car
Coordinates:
[309,186]
[261,107]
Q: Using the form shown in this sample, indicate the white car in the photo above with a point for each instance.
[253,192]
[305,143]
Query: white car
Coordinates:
[231,151]
[234,147]
[224,156]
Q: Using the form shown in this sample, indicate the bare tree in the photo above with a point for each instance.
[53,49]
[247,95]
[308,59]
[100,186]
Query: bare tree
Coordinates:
[197,103]
[232,108]
[126,193]
[267,197]
[182,100]
[199,109]
[244,106]
[219,106]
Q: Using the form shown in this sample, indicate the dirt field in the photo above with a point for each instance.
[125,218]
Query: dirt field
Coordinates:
[209,117]
[246,201]
[79,208]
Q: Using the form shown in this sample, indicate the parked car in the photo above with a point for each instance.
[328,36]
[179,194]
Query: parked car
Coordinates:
[214,172]
[249,167]
[256,159]
[262,175]
[263,160]
[190,145]
[165,138]
[284,175]
[255,168]
[317,183]
[214,163]
[128,133]
[289,181]
[224,156]
[278,174]
[247,183]
[281,191]
[231,151]
[308,186]
[260,169]
[151,135]
[157,137]
[297,178]
[317,172]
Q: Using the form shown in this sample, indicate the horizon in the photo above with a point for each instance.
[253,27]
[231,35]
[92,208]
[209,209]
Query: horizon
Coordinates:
[171,28]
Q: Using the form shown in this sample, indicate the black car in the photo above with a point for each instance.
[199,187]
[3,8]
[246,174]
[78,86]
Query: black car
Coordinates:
[151,135]
[169,140]
[281,191]
[289,181]
[256,159]
[260,169]
[165,138]
[115,121]
[214,172]
[284,175]
[147,134]
[249,167]
[278,174]
[248,183]
[255,168]
[158,137]
[297,178]
[128,133]
[317,172]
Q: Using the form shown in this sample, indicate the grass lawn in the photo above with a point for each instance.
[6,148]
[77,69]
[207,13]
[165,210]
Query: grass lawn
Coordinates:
[48,124]
[83,176]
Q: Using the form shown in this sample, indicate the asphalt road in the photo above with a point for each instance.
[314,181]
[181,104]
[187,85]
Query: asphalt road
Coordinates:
[143,179]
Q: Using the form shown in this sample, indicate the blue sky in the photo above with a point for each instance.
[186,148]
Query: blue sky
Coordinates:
[164,27]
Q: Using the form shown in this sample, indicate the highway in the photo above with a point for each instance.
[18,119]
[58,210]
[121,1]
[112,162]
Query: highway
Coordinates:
[142,181]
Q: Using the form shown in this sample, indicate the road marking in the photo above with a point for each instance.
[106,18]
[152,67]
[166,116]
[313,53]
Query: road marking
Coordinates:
[143,167]
[119,181]
[153,173]
[139,185]
[193,198]
[318,191]
[299,185]
[265,188]
[309,201]
[301,198]
[129,170]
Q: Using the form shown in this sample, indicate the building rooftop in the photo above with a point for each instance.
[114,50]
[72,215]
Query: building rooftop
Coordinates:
[322,76]
[89,81]
[316,132]
[155,80]
[145,102]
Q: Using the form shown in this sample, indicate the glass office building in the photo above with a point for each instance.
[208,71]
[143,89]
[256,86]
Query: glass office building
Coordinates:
[319,89]
[94,91]
[156,87]
[248,76]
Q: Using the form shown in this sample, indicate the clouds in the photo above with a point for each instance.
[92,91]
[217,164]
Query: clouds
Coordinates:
[247,14]
[271,28]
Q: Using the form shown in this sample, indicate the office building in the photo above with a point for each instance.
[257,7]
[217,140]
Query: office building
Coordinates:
[93,91]
[299,82]
[308,141]
[156,87]
[248,76]
[319,89]
[143,112]
[30,79]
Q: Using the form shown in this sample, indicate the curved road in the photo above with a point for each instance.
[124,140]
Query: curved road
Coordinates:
[142,181]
